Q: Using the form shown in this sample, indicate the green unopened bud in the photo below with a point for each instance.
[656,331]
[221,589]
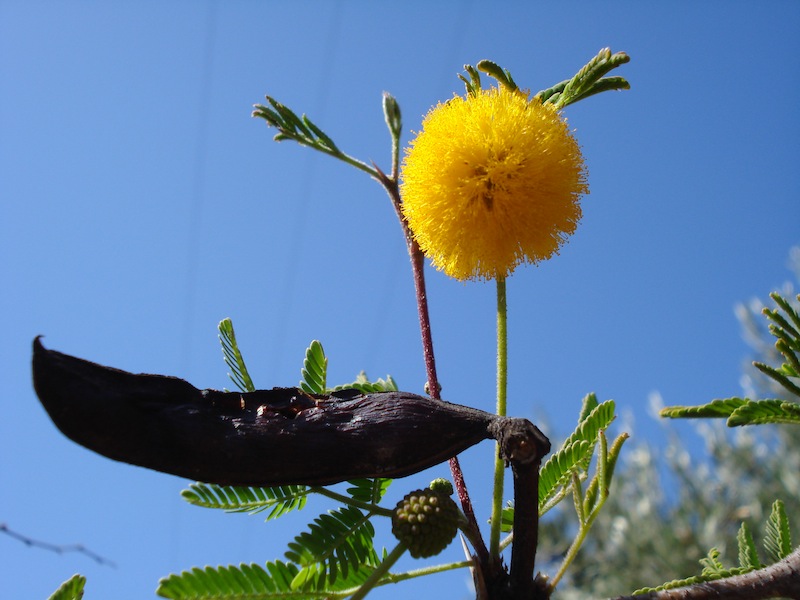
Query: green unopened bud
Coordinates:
[442,486]
[391,112]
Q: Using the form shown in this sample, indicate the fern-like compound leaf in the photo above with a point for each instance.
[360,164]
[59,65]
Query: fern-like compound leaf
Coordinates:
[777,543]
[233,357]
[758,412]
[365,386]
[277,500]
[557,471]
[368,490]
[71,589]
[231,583]
[575,453]
[589,80]
[335,544]
[777,538]
[748,555]
[314,371]
[714,409]
[599,418]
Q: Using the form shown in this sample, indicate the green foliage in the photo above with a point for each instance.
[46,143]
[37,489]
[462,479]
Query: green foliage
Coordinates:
[739,411]
[232,583]
[303,131]
[575,453]
[277,500]
[588,81]
[292,127]
[669,498]
[778,538]
[71,589]
[743,411]
[365,386]
[567,469]
[315,369]
[368,490]
[233,357]
[573,459]
[334,544]
[748,555]
[776,541]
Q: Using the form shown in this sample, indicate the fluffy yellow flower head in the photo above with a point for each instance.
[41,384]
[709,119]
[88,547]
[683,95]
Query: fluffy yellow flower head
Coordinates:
[492,181]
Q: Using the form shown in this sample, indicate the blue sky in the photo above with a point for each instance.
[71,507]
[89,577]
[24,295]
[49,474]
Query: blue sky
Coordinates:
[140,204]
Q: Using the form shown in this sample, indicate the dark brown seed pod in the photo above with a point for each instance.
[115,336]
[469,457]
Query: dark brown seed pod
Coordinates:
[270,437]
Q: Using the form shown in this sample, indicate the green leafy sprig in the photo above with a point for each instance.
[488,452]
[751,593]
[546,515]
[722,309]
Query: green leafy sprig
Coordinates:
[590,80]
[777,545]
[303,131]
[785,327]
[567,469]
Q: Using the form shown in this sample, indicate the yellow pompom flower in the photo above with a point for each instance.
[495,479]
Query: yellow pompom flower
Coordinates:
[493,180]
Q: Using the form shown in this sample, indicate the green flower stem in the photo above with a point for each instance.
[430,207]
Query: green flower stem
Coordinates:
[347,500]
[379,572]
[502,388]
[502,347]
[398,577]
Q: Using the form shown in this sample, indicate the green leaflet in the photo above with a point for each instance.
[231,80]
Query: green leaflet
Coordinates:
[335,545]
[252,582]
[785,327]
[777,537]
[588,81]
[748,555]
[365,386]
[315,369]
[233,357]
[71,589]
[278,500]
[765,411]
[714,409]
[739,411]
[368,490]
[575,453]
[303,131]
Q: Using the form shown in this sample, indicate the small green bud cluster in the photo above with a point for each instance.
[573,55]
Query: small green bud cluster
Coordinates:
[426,521]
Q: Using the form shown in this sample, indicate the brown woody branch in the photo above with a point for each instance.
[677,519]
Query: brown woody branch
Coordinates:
[781,580]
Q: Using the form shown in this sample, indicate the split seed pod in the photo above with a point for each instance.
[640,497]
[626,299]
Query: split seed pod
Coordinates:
[272,437]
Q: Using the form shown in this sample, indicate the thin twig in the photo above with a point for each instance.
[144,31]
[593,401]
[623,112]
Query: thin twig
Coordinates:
[58,549]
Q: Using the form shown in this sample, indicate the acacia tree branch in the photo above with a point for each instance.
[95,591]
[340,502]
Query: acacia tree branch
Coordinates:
[780,580]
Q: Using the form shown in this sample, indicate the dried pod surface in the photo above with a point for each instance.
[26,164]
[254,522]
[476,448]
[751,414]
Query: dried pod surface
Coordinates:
[270,437]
